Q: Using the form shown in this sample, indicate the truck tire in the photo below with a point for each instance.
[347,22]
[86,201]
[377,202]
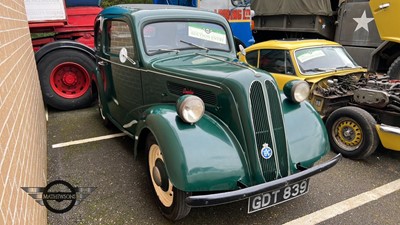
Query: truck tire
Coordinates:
[394,70]
[170,200]
[352,132]
[65,79]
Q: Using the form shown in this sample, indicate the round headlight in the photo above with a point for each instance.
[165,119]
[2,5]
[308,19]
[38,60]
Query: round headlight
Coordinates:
[190,108]
[296,90]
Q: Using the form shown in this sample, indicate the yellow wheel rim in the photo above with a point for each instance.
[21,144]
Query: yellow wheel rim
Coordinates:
[165,197]
[348,134]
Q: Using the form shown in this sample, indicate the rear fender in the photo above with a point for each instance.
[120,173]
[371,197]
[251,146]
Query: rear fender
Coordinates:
[201,157]
[63,44]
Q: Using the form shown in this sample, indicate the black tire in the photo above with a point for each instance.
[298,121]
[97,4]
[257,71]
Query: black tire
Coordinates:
[352,132]
[78,93]
[394,70]
[173,208]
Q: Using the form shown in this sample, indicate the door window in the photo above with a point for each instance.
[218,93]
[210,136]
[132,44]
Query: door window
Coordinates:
[252,58]
[276,61]
[119,36]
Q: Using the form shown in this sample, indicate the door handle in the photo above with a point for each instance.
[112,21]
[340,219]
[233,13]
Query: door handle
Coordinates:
[384,6]
[102,63]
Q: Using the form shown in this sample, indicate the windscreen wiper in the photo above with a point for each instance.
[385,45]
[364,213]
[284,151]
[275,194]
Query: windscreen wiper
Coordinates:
[343,67]
[155,51]
[195,45]
[315,70]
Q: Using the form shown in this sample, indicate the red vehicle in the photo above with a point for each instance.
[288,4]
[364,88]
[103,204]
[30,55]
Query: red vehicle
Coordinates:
[63,42]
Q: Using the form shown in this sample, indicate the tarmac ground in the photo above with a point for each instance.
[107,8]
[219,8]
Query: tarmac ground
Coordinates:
[123,193]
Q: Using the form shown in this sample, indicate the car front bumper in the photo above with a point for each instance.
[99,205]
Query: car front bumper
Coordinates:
[389,136]
[237,195]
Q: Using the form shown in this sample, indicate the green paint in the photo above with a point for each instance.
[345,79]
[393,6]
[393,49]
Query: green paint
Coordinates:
[223,147]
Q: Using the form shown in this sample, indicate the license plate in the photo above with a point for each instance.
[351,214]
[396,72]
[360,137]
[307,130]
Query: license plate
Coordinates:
[268,199]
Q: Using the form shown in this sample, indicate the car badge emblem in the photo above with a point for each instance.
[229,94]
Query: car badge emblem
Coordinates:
[187,91]
[266,151]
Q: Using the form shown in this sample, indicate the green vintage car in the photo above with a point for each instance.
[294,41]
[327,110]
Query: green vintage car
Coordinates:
[214,130]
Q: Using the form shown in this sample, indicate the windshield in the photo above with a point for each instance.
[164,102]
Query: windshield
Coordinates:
[163,37]
[323,59]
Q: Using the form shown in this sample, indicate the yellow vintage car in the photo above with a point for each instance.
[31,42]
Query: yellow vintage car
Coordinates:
[309,60]
[360,109]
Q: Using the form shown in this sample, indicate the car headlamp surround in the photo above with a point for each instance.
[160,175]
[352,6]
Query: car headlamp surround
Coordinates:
[297,90]
[190,108]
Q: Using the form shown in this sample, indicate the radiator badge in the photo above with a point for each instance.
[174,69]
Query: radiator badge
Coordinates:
[266,151]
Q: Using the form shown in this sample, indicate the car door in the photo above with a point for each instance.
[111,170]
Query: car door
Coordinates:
[123,73]
[386,15]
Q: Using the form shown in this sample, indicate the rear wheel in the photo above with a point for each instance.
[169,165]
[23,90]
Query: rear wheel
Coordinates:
[65,79]
[352,132]
[170,200]
[394,70]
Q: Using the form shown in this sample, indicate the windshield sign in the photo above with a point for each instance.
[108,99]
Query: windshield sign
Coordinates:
[323,59]
[203,32]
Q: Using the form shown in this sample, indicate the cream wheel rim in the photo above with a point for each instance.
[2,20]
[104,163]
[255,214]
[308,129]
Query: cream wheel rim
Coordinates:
[165,197]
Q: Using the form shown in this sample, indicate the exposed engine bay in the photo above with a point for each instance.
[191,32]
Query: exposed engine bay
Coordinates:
[369,90]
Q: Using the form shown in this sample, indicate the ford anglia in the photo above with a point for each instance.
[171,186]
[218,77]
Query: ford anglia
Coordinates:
[214,130]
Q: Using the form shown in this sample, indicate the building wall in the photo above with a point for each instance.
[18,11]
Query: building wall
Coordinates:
[23,148]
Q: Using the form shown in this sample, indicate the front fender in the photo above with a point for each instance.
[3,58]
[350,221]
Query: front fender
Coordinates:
[305,131]
[201,157]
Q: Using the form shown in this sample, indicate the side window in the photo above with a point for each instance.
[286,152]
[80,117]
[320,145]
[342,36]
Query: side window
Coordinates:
[98,34]
[276,61]
[119,36]
[252,58]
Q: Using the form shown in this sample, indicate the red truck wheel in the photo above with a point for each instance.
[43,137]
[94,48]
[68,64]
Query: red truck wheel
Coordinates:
[65,79]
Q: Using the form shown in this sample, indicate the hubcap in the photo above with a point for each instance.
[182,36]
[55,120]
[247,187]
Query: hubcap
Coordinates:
[70,80]
[160,175]
[347,134]
[161,183]
[156,176]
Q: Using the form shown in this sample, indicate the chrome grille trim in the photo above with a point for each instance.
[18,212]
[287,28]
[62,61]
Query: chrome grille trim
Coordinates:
[262,95]
[278,121]
[271,127]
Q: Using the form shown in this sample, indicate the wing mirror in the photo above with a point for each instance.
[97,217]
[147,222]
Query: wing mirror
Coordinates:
[242,51]
[123,56]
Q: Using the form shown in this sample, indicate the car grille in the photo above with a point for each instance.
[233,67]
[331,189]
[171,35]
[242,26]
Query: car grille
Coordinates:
[269,129]
[178,89]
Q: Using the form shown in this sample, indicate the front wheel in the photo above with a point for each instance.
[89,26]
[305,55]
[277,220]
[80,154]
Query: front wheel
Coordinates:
[170,200]
[352,132]
[64,76]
